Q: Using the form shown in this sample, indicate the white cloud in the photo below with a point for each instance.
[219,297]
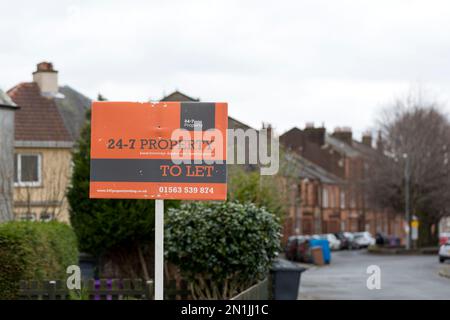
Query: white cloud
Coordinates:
[287,62]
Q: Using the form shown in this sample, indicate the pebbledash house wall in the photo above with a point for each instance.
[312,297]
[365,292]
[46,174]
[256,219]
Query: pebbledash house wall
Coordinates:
[48,197]
[6,160]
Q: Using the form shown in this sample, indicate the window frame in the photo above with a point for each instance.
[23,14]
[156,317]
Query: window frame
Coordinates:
[342,199]
[325,198]
[20,183]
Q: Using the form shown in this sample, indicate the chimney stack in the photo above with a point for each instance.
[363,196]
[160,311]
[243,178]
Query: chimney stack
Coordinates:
[343,134]
[314,135]
[46,78]
[367,139]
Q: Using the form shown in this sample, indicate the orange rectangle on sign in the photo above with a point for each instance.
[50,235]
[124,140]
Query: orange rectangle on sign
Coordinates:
[165,150]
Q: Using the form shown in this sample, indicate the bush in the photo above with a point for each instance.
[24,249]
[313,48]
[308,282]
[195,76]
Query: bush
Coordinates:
[221,248]
[34,251]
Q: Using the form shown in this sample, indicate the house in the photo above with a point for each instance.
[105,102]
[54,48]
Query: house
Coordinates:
[312,209]
[7,110]
[45,131]
[338,154]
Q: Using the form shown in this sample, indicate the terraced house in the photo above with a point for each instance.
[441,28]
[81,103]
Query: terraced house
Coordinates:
[43,140]
[343,204]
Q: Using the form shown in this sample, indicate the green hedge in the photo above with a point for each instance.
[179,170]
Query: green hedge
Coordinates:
[34,251]
[221,248]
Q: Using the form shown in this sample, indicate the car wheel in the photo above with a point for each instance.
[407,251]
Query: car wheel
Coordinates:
[441,259]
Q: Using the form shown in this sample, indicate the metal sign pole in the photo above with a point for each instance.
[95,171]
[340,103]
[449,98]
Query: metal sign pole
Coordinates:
[159,250]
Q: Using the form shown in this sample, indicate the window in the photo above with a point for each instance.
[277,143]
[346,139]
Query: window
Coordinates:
[27,170]
[332,196]
[325,198]
[342,200]
[45,216]
[27,216]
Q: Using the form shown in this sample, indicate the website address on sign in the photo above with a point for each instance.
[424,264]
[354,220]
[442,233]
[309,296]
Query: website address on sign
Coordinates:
[121,191]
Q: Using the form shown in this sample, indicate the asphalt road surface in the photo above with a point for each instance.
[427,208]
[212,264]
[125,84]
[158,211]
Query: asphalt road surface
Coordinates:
[401,277]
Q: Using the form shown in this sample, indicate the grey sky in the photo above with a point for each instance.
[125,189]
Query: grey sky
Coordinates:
[285,62]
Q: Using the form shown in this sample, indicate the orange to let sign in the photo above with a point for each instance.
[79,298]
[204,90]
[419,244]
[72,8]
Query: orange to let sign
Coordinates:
[165,150]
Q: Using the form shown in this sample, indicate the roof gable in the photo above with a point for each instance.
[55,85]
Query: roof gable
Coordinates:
[178,96]
[38,118]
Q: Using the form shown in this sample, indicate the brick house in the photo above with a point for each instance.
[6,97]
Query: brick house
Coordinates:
[317,204]
[345,206]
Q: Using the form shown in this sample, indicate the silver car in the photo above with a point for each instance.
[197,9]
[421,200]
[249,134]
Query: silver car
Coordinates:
[444,252]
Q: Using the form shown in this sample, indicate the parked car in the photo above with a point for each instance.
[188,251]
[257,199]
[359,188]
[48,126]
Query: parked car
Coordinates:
[351,240]
[444,237]
[346,242]
[444,252]
[291,247]
[381,239]
[335,243]
[297,248]
[364,239]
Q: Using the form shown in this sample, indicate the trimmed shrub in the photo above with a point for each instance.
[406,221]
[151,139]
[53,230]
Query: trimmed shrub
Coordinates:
[34,251]
[221,248]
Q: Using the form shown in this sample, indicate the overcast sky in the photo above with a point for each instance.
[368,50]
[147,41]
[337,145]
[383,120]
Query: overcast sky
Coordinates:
[285,62]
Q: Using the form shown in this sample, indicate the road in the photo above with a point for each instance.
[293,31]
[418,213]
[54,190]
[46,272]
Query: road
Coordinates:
[402,277]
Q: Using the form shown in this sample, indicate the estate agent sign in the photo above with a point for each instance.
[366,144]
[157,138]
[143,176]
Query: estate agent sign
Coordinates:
[165,150]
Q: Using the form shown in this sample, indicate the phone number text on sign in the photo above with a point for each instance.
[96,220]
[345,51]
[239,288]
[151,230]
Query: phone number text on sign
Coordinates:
[187,190]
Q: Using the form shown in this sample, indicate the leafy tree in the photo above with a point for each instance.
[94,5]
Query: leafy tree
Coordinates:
[274,192]
[250,186]
[222,248]
[119,229]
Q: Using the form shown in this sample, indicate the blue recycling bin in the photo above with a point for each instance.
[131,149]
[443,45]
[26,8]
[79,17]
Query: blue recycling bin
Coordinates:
[325,248]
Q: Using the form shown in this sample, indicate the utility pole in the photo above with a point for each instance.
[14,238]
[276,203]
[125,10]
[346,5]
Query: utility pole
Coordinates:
[407,199]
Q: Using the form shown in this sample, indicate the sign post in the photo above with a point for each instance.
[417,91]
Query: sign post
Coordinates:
[159,250]
[157,151]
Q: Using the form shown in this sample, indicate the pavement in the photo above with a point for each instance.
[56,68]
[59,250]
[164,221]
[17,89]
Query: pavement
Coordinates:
[401,277]
[444,271]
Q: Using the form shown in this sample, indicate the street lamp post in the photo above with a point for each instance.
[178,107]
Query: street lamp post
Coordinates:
[407,200]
